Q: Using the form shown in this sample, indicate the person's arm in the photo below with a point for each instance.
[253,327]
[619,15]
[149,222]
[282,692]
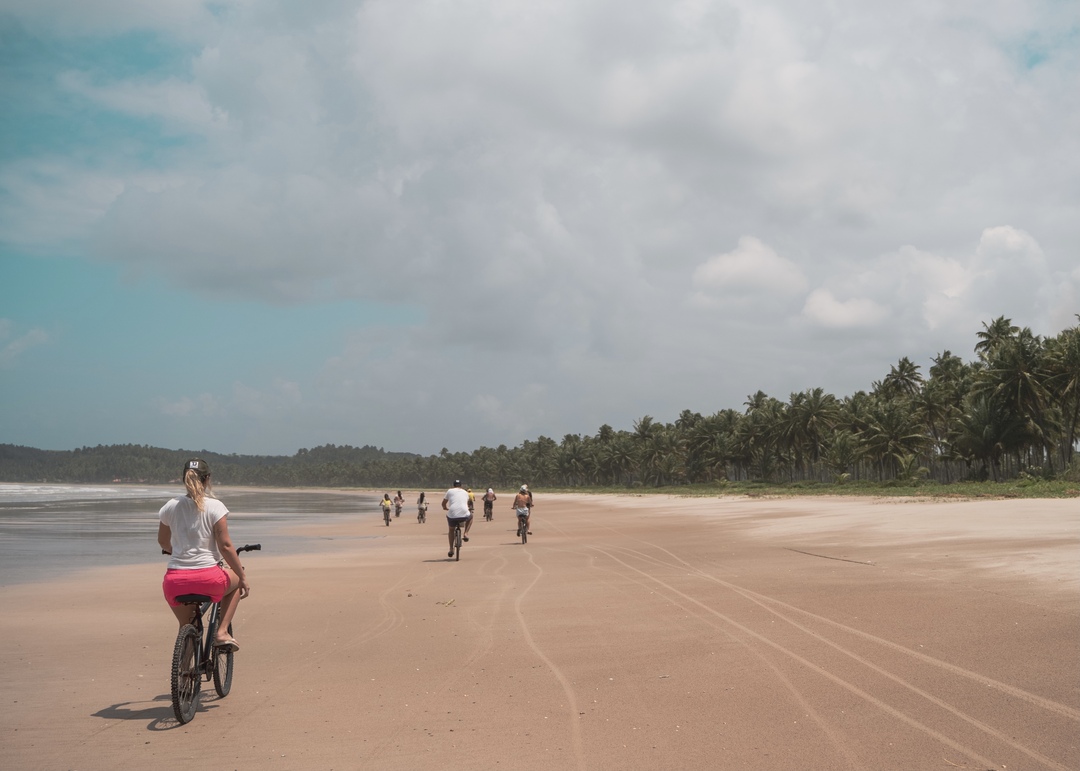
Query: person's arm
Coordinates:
[446,503]
[164,537]
[228,551]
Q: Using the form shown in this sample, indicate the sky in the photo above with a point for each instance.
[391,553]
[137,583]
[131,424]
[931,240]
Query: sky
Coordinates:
[257,226]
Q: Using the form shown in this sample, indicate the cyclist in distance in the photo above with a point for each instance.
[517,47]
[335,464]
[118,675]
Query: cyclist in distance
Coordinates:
[489,502]
[421,507]
[456,505]
[386,504]
[399,503]
[472,500]
[523,506]
[194,529]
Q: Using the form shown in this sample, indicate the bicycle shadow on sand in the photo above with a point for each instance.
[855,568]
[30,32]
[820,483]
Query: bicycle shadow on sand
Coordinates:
[160,715]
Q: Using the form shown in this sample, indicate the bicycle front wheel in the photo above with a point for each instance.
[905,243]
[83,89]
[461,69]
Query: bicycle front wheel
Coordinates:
[223,664]
[186,678]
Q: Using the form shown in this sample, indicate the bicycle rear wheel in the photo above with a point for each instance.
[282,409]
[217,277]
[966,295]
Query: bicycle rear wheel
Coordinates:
[457,545]
[186,678]
[523,531]
[223,667]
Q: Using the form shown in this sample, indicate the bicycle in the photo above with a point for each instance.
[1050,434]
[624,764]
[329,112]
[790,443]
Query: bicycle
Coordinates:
[523,530]
[457,539]
[421,514]
[386,515]
[489,510]
[195,657]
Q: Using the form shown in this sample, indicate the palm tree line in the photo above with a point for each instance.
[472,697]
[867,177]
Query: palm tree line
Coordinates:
[1012,410]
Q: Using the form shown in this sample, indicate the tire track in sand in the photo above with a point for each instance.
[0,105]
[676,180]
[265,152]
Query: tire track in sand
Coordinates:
[568,689]
[762,600]
[836,679]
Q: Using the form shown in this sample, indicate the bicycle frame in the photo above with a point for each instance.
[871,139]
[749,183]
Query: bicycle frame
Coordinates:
[204,661]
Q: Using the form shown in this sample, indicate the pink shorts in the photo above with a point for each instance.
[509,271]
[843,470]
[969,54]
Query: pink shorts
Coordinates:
[213,582]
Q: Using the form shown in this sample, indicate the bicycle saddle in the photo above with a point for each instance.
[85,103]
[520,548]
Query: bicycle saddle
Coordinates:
[192,599]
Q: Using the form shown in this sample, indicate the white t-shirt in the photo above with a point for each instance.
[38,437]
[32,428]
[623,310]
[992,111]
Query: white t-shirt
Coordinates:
[193,542]
[458,507]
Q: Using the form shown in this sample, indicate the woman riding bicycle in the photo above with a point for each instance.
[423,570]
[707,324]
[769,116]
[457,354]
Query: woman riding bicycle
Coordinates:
[195,531]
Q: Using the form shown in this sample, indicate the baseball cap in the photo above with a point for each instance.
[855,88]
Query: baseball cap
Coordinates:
[199,466]
[457,483]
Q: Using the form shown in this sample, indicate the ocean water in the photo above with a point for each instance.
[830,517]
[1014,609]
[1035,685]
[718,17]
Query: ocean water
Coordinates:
[48,530]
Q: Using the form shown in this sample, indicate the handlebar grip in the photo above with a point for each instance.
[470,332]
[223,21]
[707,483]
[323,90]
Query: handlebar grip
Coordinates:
[166,552]
[250,547]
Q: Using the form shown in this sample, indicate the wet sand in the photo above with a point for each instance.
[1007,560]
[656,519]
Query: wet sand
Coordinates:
[630,633]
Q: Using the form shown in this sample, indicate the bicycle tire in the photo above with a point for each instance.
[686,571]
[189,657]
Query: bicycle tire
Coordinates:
[523,530]
[386,516]
[457,545]
[223,669]
[186,678]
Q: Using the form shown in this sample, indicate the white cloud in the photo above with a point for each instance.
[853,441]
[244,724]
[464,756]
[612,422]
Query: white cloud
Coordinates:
[182,107]
[11,350]
[824,309]
[752,265]
[47,203]
[201,406]
[528,408]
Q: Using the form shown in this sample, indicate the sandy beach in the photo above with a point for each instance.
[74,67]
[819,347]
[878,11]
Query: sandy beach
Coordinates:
[631,632]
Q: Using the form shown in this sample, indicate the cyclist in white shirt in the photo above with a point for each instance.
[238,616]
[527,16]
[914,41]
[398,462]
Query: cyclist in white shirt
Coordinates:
[456,505]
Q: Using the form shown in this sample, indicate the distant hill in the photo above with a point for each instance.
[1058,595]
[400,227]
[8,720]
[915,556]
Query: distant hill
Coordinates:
[133,463]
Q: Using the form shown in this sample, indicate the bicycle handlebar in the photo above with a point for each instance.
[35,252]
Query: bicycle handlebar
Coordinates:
[245,547]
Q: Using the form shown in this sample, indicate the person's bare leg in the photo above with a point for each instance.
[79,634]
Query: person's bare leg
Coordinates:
[450,536]
[185,614]
[228,607]
[468,526]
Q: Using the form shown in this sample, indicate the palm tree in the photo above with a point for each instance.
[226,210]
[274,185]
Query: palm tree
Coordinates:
[1015,378]
[1062,367]
[894,431]
[993,336]
[842,452]
[986,431]
[903,379]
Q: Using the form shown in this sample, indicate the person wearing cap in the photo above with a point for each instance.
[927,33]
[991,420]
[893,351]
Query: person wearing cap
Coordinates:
[456,505]
[194,530]
[522,506]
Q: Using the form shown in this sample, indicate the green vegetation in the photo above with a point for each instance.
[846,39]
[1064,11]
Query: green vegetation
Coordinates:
[1004,424]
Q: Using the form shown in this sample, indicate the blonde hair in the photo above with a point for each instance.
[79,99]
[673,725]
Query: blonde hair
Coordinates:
[198,488]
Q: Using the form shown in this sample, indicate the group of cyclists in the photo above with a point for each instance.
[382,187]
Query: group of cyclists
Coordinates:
[459,504]
[193,529]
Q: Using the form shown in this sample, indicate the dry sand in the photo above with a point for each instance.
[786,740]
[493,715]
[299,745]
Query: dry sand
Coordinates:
[630,633]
